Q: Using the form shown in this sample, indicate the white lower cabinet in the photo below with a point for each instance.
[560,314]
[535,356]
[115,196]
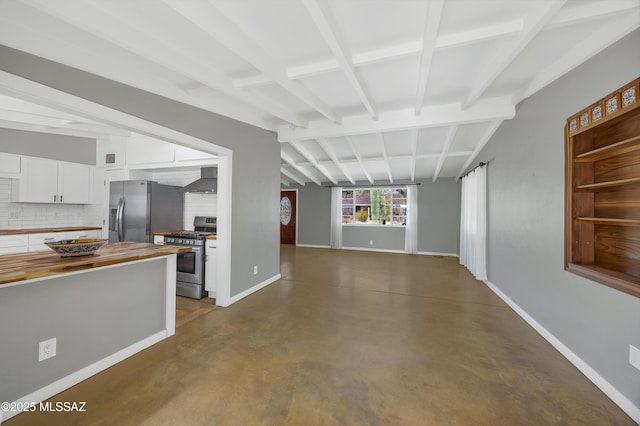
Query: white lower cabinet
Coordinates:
[18,243]
[210,267]
[37,241]
[92,233]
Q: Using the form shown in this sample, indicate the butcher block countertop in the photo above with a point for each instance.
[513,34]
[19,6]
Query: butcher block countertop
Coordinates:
[25,266]
[45,230]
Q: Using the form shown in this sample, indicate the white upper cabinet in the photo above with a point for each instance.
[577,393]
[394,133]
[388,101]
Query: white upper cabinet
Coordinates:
[49,181]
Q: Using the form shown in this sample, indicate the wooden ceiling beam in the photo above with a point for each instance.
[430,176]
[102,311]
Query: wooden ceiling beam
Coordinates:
[325,146]
[429,36]
[359,158]
[390,53]
[330,31]
[311,159]
[291,176]
[489,109]
[445,151]
[534,22]
[481,143]
[205,16]
[289,160]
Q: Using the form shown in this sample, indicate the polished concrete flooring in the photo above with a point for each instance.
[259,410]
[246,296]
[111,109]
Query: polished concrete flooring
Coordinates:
[346,338]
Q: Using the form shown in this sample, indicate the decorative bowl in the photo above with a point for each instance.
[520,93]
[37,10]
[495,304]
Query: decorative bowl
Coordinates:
[77,247]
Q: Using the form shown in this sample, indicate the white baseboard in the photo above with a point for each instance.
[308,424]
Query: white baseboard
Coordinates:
[618,398]
[431,253]
[84,373]
[312,246]
[253,289]
[372,249]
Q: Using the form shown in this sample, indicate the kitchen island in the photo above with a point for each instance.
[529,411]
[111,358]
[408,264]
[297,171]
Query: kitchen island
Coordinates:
[100,310]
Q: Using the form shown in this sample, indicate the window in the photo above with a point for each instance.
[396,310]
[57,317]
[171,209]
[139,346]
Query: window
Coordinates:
[379,206]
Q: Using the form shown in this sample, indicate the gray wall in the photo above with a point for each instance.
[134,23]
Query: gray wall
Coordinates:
[438,219]
[255,238]
[92,315]
[526,214]
[45,145]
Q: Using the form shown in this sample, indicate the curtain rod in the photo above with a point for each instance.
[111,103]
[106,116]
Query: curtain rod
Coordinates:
[479,165]
[392,185]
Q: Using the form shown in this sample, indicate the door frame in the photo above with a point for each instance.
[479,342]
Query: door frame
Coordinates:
[297,204]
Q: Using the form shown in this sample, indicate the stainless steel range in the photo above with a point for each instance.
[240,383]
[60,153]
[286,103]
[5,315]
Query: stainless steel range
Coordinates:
[190,279]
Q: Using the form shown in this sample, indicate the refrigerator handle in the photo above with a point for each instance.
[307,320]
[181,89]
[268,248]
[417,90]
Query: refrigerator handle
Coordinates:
[120,219]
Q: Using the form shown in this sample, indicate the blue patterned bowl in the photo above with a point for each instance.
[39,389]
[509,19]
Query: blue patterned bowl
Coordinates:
[75,248]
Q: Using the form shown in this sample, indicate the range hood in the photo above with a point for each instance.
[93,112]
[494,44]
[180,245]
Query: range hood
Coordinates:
[208,182]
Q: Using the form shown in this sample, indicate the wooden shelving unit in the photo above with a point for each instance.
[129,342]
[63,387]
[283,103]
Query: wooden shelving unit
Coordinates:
[602,189]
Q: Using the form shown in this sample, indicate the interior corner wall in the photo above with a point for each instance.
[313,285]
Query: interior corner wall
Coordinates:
[526,222]
[438,219]
[255,237]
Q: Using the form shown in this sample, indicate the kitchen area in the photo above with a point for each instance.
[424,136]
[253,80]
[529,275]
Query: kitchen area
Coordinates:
[168,187]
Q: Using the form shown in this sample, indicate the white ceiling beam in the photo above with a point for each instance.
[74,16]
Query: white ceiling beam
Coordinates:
[429,36]
[330,31]
[311,159]
[398,51]
[587,12]
[205,16]
[325,145]
[385,156]
[391,157]
[287,158]
[285,182]
[292,176]
[359,158]
[157,47]
[592,44]
[489,109]
[445,151]
[534,22]
[414,153]
[481,143]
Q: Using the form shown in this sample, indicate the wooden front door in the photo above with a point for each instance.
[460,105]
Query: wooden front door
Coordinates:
[288,217]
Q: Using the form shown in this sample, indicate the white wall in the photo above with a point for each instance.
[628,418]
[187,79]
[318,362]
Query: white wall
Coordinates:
[33,215]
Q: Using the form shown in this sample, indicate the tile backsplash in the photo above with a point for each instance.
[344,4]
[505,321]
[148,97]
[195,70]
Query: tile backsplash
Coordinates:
[35,215]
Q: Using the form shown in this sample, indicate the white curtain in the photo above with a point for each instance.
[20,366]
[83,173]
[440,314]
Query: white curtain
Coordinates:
[473,223]
[336,217]
[411,229]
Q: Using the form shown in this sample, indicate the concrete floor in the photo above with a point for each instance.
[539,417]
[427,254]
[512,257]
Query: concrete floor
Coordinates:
[346,338]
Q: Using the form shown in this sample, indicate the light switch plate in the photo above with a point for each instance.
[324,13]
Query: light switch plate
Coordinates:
[634,356]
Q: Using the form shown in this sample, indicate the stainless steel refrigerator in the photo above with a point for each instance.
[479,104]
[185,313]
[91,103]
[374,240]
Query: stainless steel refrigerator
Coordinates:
[139,208]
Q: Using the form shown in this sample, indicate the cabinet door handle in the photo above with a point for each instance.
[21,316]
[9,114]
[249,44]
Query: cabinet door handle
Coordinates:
[61,198]
[55,198]
[49,238]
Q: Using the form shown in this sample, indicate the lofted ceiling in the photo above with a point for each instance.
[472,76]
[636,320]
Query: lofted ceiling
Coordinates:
[357,90]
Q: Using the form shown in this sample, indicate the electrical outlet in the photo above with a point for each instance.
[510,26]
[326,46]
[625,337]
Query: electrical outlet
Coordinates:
[47,349]
[634,356]
[255,270]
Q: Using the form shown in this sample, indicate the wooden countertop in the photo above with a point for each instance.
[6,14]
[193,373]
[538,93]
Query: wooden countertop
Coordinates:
[25,266]
[45,230]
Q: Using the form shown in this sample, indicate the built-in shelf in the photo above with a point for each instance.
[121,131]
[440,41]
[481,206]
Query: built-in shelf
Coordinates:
[608,184]
[613,150]
[602,184]
[608,221]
